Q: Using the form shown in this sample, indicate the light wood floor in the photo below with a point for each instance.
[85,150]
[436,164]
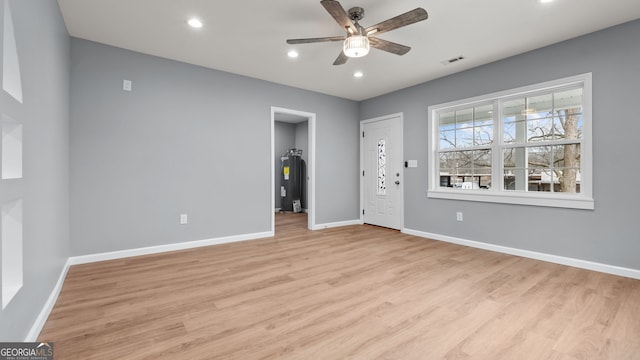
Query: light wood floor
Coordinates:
[357,292]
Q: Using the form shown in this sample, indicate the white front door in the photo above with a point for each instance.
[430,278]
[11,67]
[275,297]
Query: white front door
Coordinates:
[382,171]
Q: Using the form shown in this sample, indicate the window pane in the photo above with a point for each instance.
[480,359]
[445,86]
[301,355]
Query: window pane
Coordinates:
[566,162]
[447,120]
[570,99]
[464,137]
[482,160]
[513,132]
[539,180]
[539,168]
[566,155]
[515,172]
[483,115]
[539,157]
[464,159]
[485,182]
[466,169]
[515,179]
[382,167]
[539,106]
[567,180]
[447,160]
[509,158]
[513,121]
[466,127]
[483,135]
[448,168]
[568,124]
[464,118]
[447,139]
[469,183]
[540,129]
[513,110]
[445,179]
[482,168]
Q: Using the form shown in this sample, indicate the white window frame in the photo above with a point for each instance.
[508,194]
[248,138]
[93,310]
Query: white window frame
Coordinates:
[497,194]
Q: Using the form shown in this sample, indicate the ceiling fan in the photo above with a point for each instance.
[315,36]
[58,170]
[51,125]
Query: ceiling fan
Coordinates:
[359,39]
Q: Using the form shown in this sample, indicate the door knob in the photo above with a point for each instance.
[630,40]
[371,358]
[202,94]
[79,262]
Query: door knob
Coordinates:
[397,182]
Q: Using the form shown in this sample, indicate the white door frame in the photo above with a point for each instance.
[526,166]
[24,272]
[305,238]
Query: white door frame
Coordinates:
[401,147]
[311,165]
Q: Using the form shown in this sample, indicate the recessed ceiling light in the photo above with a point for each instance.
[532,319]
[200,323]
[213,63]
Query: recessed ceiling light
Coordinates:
[358,74]
[194,23]
[292,54]
[545,1]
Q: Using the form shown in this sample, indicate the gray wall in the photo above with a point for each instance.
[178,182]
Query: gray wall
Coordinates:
[607,234]
[43,52]
[188,140]
[284,139]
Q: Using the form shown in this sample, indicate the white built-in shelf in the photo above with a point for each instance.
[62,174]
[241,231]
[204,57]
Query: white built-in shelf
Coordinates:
[12,254]
[11,148]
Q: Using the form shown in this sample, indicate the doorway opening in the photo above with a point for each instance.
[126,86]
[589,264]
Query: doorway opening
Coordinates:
[293,129]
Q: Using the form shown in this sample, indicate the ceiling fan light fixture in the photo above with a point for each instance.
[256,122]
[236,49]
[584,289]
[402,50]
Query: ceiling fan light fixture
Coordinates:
[195,23]
[358,38]
[356,46]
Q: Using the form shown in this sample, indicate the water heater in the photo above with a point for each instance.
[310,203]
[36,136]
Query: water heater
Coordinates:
[292,173]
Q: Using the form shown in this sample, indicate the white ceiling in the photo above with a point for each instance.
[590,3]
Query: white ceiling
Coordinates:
[248,37]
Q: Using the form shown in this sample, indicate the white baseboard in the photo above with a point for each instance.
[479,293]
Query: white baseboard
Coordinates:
[337,224]
[583,264]
[83,259]
[48,306]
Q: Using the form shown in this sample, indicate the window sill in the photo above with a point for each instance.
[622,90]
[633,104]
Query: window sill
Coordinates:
[578,201]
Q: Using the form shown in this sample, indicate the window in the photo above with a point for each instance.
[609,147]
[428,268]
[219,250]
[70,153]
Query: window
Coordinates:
[530,146]
[382,167]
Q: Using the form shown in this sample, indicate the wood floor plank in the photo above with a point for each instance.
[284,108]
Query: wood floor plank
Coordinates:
[356,292]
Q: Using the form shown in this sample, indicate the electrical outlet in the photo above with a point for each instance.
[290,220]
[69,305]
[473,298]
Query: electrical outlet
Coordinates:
[127,85]
[459,216]
[183,219]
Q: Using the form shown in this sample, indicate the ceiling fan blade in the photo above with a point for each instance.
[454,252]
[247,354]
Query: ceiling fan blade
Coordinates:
[341,59]
[388,46]
[315,40]
[339,14]
[405,19]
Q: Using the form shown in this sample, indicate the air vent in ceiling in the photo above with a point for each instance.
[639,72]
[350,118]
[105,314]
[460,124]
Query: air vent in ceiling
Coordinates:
[452,60]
